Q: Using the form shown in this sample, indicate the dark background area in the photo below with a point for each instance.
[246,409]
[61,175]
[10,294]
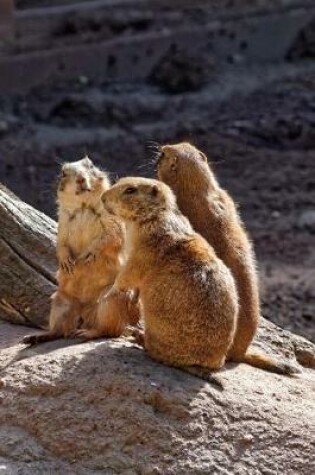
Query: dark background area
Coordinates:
[237,79]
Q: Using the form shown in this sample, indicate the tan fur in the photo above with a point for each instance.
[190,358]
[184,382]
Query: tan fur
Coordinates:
[188,297]
[90,254]
[213,214]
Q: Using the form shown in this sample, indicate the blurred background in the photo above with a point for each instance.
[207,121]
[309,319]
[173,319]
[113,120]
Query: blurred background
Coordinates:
[234,77]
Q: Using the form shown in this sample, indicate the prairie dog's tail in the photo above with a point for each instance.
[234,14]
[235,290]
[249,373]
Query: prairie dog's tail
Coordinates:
[40,338]
[204,374]
[260,360]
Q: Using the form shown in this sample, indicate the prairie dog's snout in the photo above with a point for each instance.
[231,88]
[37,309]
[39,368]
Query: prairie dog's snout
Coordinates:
[162,154]
[76,176]
[83,184]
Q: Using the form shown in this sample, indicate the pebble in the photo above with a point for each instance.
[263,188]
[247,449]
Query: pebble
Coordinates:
[276,214]
[307,220]
[4,127]
[248,438]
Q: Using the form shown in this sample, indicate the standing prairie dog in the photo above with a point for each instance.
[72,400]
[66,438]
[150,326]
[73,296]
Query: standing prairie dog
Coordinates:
[213,214]
[188,296]
[90,254]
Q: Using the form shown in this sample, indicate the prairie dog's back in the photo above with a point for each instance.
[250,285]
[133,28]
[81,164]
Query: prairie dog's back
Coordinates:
[213,214]
[188,296]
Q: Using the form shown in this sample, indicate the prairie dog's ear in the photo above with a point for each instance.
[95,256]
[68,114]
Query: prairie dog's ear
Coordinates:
[154,191]
[173,163]
[203,156]
[65,168]
[87,161]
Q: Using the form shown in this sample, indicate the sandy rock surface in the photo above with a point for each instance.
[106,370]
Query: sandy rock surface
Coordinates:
[106,408]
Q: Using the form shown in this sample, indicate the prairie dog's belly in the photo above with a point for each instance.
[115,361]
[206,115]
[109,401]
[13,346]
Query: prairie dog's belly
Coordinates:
[84,228]
[88,281]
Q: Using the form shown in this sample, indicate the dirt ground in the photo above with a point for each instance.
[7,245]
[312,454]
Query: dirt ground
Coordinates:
[262,145]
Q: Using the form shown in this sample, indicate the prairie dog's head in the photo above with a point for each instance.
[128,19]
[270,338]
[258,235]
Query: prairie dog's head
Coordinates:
[138,199]
[81,182]
[183,164]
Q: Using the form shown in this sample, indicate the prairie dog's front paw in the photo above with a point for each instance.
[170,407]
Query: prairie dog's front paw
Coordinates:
[68,265]
[66,261]
[87,257]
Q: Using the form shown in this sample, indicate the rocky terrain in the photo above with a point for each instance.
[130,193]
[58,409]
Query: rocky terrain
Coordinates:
[106,408]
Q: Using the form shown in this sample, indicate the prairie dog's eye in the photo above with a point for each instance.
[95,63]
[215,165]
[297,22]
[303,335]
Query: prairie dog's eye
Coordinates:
[63,174]
[130,190]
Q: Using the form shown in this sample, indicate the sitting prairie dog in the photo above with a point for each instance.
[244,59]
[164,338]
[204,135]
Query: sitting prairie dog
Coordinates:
[90,254]
[213,214]
[188,296]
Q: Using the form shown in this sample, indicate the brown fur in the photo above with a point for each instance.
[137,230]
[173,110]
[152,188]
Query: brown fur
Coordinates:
[90,254]
[188,297]
[213,214]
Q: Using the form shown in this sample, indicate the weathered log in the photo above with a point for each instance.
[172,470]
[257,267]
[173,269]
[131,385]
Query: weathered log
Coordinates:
[27,261]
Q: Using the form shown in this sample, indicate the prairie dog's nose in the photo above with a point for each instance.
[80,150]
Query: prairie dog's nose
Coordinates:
[83,183]
[80,180]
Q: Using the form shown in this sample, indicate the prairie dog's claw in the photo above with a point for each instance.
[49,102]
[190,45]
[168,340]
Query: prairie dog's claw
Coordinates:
[90,257]
[87,257]
[68,265]
[138,336]
[29,340]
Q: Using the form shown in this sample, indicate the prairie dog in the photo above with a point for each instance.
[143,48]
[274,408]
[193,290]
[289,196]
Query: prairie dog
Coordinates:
[188,296]
[90,254]
[213,214]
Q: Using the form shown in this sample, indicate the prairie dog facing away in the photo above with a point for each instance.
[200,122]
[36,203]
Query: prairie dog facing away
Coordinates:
[188,296]
[213,214]
[90,254]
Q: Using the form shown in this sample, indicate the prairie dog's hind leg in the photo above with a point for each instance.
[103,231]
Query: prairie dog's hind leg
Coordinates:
[63,320]
[130,306]
[115,311]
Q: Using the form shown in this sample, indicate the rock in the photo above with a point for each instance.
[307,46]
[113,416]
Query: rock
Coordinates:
[180,71]
[72,108]
[307,221]
[4,127]
[106,408]
[304,45]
